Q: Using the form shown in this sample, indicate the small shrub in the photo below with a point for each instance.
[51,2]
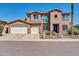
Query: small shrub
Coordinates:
[48,33]
[69,32]
[54,33]
[75,31]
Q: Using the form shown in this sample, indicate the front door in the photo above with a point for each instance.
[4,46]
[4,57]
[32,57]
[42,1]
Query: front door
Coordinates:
[56,28]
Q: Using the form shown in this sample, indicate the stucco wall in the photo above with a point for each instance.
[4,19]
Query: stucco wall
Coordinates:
[59,21]
[56,21]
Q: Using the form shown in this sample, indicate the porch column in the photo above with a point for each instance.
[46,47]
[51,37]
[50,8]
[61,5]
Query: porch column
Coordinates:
[29,29]
[41,23]
[51,26]
[9,29]
[4,29]
[41,28]
[60,30]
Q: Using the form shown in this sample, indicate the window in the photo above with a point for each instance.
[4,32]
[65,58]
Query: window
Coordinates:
[44,26]
[36,16]
[65,27]
[55,16]
[45,21]
[45,18]
[65,17]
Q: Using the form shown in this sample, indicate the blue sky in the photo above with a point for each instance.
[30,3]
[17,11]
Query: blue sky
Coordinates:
[12,11]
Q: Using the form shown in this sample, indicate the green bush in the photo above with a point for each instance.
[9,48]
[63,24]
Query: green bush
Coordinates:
[75,31]
[48,33]
[1,29]
[53,33]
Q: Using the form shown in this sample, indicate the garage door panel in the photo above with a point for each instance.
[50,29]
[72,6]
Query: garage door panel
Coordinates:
[18,30]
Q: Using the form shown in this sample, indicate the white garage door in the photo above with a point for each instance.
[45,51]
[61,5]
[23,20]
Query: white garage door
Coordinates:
[35,30]
[17,30]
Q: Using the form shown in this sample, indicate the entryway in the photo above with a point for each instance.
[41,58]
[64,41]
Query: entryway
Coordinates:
[56,28]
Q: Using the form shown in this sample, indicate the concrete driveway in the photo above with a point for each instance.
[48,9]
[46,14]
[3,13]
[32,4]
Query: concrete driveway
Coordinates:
[19,36]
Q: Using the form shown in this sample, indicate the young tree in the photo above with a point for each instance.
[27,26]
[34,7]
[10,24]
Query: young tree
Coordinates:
[72,17]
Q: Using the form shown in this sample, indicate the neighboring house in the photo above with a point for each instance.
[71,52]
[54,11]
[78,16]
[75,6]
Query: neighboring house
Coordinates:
[55,21]
[3,23]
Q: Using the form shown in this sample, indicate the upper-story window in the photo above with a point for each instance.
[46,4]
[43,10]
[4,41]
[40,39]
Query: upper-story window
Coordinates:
[36,16]
[45,21]
[55,16]
[65,17]
[45,18]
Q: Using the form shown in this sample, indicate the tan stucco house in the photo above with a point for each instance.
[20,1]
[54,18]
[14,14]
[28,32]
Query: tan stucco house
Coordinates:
[55,21]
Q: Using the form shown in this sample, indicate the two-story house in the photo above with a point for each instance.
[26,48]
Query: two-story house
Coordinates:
[55,21]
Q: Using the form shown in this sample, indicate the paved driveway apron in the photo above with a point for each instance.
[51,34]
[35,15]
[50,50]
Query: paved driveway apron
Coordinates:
[19,36]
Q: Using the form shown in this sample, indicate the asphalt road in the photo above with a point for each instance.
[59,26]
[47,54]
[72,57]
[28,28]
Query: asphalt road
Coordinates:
[33,48]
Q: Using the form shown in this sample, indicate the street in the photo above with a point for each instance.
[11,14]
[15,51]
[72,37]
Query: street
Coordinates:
[38,48]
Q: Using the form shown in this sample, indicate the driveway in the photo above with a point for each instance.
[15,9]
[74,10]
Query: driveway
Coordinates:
[19,36]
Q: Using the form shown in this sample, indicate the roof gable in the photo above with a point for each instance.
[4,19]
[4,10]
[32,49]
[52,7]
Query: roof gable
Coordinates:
[58,10]
[18,20]
[3,21]
[34,13]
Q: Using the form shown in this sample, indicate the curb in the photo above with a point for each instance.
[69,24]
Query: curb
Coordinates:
[49,40]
